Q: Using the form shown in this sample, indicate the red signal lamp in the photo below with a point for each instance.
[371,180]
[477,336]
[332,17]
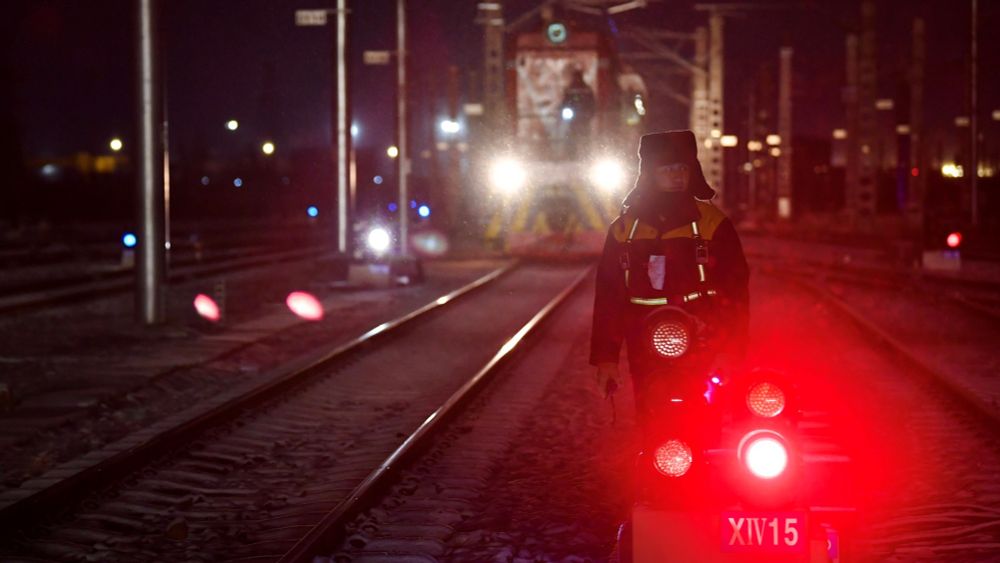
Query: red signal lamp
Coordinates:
[954,240]
[673,458]
[765,399]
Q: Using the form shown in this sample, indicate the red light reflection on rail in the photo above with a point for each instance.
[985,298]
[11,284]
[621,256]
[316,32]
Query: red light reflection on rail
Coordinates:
[207,308]
[304,305]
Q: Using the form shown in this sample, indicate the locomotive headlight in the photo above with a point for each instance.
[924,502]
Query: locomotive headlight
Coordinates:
[670,338]
[379,240]
[673,458]
[765,399]
[607,174]
[507,175]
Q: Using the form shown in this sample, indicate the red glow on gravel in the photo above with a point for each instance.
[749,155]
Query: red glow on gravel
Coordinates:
[207,308]
[954,239]
[304,305]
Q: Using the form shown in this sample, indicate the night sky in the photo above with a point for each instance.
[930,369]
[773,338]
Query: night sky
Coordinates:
[71,66]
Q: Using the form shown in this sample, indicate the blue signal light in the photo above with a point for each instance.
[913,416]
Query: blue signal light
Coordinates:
[377,180]
[238,182]
[312,211]
[393,207]
[424,211]
[129,240]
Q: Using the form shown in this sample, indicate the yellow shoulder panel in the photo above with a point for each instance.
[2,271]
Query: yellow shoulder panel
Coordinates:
[711,218]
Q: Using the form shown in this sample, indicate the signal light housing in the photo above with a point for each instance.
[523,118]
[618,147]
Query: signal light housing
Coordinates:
[673,458]
[765,399]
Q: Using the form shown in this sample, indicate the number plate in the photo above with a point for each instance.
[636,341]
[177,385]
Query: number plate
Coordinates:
[764,532]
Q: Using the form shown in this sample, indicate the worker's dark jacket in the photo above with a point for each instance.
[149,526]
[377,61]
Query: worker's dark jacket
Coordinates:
[662,266]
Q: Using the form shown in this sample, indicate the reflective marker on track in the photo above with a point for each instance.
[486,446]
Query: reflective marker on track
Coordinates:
[304,305]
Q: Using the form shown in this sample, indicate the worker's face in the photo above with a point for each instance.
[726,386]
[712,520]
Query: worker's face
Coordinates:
[672,178]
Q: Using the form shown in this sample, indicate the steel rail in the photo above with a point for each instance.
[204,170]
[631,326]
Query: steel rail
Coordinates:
[325,534]
[987,413]
[888,280]
[72,489]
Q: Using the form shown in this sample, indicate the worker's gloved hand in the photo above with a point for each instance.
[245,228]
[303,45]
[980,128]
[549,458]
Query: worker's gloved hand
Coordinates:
[608,379]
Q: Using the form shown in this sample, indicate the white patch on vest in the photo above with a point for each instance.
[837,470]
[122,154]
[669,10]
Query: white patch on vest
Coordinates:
[657,271]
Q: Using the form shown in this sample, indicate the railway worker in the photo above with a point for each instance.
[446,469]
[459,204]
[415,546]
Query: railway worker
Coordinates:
[668,244]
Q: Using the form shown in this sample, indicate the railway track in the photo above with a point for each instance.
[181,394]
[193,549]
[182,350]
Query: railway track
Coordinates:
[73,289]
[944,503]
[937,501]
[978,296]
[204,501]
[253,476]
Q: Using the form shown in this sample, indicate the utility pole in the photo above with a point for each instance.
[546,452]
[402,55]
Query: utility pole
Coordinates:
[342,127]
[915,195]
[491,18]
[851,115]
[454,201]
[404,155]
[751,135]
[699,90]
[716,170]
[150,268]
[867,77]
[973,117]
[785,132]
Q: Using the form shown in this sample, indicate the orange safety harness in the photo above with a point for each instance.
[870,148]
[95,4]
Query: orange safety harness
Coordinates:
[700,258]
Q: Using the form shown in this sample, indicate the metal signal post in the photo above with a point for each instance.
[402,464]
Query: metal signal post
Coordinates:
[342,127]
[404,158]
[150,182]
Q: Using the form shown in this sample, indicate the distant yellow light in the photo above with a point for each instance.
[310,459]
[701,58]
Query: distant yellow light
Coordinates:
[715,133]
[773,140]
[840,133]
[952,170]
[884,104]
[232,125]
[729,141]
[392,151]
[267,148]
[116,144]
[775,151]
[755,146]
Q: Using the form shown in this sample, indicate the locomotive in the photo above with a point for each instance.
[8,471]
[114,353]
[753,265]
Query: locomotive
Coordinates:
[558,170]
